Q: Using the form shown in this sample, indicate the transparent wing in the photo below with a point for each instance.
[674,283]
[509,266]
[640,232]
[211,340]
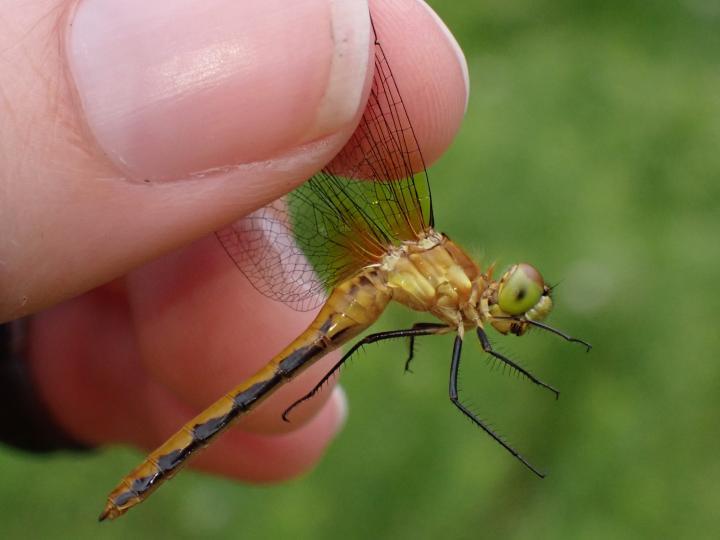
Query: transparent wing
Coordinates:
[346,216]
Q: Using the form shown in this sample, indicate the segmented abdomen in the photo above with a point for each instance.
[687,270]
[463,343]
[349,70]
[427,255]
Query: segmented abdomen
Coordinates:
[352,307]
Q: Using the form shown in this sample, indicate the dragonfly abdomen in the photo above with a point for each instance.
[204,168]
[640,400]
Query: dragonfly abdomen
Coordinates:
[353,306]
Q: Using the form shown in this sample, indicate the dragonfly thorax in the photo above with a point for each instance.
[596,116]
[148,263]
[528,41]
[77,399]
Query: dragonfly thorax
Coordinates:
[434,274]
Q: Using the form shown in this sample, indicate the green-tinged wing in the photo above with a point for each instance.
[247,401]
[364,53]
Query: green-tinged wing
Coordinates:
[346,216]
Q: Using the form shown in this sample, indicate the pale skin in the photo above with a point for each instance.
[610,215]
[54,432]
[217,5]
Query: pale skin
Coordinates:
[139,320]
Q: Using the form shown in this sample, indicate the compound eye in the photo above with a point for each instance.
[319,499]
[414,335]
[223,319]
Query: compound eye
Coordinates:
[521,289]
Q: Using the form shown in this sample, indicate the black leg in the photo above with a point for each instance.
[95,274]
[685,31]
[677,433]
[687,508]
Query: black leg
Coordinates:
[411,340]
[487,347]
[380,336]
[454,368]
[559,333]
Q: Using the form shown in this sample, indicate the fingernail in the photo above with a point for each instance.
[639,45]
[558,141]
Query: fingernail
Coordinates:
[340,400]
[172,88]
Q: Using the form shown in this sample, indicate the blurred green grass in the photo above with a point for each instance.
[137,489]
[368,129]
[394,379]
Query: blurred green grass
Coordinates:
[591,147]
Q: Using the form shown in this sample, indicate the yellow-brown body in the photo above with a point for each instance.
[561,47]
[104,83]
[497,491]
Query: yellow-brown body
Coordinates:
[353,306]
[435,275]
[431,274]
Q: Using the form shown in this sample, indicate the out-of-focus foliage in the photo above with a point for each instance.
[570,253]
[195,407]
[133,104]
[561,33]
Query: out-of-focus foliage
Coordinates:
[591,148]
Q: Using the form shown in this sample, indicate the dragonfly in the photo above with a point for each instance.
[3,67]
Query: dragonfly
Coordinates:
[363,229]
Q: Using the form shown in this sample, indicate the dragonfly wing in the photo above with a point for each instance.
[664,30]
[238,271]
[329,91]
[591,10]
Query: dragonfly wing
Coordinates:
[345,217]
[263,246]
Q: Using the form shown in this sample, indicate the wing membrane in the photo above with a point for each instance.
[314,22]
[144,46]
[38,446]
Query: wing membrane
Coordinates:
[347,215]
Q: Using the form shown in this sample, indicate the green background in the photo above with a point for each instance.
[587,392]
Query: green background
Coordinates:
[591,147]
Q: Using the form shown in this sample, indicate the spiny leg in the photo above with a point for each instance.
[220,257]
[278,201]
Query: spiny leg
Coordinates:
[487,347]
[454,369]
[379,336]
[411,342]
[560,333]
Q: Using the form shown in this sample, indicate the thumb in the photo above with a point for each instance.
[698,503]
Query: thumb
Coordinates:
[130,128]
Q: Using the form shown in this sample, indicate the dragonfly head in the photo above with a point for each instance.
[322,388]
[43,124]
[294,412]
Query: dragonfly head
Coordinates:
[520,295]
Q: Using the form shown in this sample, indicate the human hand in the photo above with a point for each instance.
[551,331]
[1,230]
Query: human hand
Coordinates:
[155,126]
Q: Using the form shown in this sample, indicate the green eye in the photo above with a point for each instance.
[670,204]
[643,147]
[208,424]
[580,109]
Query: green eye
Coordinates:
[520,290]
